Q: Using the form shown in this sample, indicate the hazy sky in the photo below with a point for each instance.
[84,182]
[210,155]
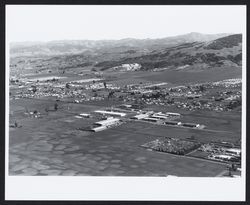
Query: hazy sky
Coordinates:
[44,23]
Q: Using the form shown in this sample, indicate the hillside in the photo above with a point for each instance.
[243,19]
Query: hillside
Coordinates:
[101,46]
[226,51]
[193,50]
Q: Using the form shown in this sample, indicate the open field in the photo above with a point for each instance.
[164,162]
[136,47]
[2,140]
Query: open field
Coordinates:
[182,77]
[53,145]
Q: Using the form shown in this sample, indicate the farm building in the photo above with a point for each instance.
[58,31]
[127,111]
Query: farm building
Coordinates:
[139,117]
[108,122]
[110,113]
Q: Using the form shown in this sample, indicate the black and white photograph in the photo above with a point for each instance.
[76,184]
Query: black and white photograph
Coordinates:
[126,92]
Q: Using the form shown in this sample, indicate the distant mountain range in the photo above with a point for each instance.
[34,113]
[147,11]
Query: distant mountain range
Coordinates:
[225,51]
[194,50]
[81,46]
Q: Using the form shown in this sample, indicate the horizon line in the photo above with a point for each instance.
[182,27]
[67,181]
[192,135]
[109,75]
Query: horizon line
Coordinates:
[110,39]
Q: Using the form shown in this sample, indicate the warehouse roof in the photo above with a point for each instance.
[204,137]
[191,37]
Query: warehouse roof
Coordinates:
[110,112]
[108,121]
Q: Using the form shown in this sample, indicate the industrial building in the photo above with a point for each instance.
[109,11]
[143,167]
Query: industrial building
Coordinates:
[139,117]
[172,114]
[104,112]
[234,151]
[126,106]
[150,119]
[172,123]
[190,125]
[160,117]
[108,122]
[161,114]
[224,157]
[85,115]
[98,129]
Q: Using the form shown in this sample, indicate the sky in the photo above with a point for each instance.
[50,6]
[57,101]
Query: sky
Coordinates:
[80,22]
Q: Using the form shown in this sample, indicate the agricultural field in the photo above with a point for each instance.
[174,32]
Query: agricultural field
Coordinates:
[54,145]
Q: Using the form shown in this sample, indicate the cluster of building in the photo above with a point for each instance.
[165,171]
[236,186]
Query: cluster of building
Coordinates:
[109,118]
[100,86]
[79,90]
[105,124]
[128,67]
[114,115]
[229,155]
[220,153]
[168,118]
[235,82]
[189,97]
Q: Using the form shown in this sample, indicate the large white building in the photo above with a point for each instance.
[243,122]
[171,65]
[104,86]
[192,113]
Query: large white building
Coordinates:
[140,116]
[98,129]
[234,151]
[173,114]
[108,122]
[121,114]
[161,117]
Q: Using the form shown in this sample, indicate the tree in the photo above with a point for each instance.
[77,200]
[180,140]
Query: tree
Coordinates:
[201,88]
[104,84]
[111,94]
[192,137]
[56,106]
[34,89]
[229,171]
[67,85]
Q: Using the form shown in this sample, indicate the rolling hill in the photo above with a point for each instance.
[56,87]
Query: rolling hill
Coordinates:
[190,51]
[65,47]
[225,51]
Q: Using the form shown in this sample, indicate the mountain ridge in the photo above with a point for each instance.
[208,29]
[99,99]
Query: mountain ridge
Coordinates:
[77,46]
[225,51]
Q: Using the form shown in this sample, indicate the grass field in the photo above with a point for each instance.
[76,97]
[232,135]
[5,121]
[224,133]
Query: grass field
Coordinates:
[53,145]
[181,77]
